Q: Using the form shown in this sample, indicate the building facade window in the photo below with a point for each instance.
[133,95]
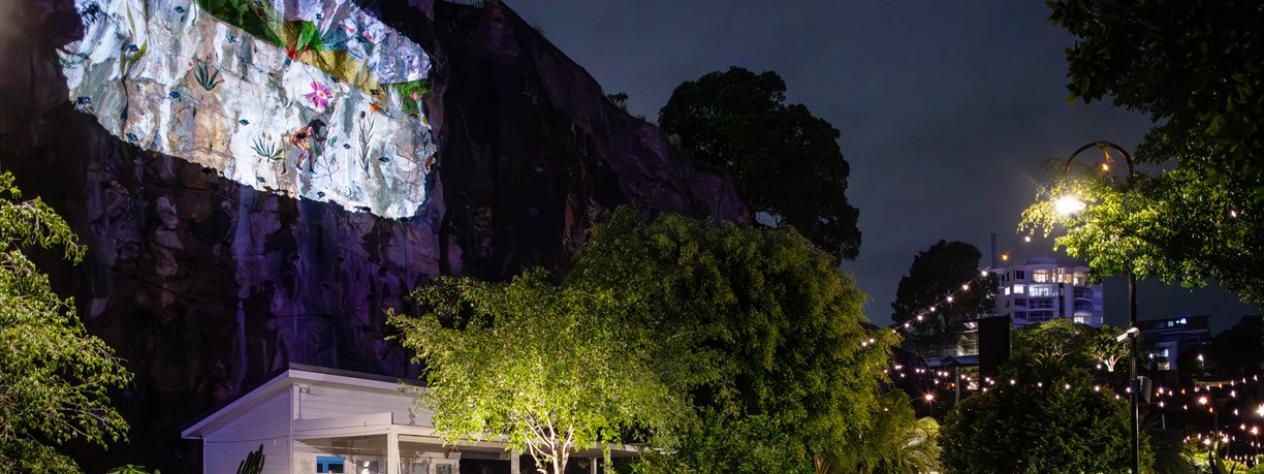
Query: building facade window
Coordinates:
[331,464]
[1041,290]
[1040,276]
[1020,289]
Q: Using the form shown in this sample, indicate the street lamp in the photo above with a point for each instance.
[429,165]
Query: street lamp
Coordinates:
[1068,205]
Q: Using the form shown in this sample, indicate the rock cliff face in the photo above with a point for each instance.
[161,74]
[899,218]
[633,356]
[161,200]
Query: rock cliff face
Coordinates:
[206,284]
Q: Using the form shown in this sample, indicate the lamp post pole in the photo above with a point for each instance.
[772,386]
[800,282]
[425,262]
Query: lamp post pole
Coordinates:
[1132,375]
[1133,385]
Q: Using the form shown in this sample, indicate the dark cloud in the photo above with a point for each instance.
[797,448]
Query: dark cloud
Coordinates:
[948,110]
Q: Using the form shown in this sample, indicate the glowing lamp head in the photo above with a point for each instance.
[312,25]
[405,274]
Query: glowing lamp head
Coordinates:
[930,397]
[1068,205]
[1202,400]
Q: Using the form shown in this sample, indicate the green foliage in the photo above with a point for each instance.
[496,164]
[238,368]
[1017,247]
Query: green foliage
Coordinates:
[553,368]
[1105,349]
[785,161]
[303,36]
[1207,456]
[898,442]
[257,17]
[935,273]
[1197,67]
[797,374]
[411,94]
[1179,230]
[54,376]
[1051,421]
[253,463]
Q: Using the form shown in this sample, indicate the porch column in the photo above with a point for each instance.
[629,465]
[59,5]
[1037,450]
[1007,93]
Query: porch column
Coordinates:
[392,452]
[592,466]
[515,462]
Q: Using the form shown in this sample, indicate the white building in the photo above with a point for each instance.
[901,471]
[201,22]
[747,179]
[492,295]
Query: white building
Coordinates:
[1038,289]
[316,420]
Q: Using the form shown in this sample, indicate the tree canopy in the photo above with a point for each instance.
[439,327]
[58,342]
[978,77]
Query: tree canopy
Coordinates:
[785,161]
[936,273]
[799,368]
[1197,68]
[552,368]
[54,376]
[1051,420]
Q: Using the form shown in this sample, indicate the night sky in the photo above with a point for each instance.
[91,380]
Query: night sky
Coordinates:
[949,111]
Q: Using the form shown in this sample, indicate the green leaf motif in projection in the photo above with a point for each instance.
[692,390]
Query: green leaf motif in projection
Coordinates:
[314,99]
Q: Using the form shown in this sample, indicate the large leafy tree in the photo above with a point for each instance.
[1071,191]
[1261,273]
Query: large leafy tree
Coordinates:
[551,368]
[1196,67]
[799,369]
[1051,420]
[54,376]
[935,273]
[786,162]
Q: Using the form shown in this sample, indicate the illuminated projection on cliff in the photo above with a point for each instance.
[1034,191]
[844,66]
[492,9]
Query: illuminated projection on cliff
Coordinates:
[311,98]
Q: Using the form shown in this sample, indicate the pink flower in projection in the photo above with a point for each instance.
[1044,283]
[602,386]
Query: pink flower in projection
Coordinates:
[320,95]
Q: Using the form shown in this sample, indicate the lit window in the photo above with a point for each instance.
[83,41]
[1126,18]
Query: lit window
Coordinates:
[1080,320]
[1019,289]
[330,464]
[1040,276]
[1007,291]
[1041,290]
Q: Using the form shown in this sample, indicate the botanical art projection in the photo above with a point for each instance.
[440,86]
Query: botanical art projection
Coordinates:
[310,98]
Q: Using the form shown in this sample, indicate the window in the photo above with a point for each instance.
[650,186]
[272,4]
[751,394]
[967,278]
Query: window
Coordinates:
[1018,275]
[330,464]
[1081,320]
[1040,276]
[1020,301]
[433,466]
[1041,303]
[1019,289]
[1007,291]
[1041,290]
[1039,315]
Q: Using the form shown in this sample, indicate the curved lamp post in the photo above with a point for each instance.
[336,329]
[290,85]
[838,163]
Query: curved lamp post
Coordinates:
[1069,205]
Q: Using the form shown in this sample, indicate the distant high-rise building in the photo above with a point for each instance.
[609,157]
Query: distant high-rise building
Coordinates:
[1166,339]
[1039,289]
